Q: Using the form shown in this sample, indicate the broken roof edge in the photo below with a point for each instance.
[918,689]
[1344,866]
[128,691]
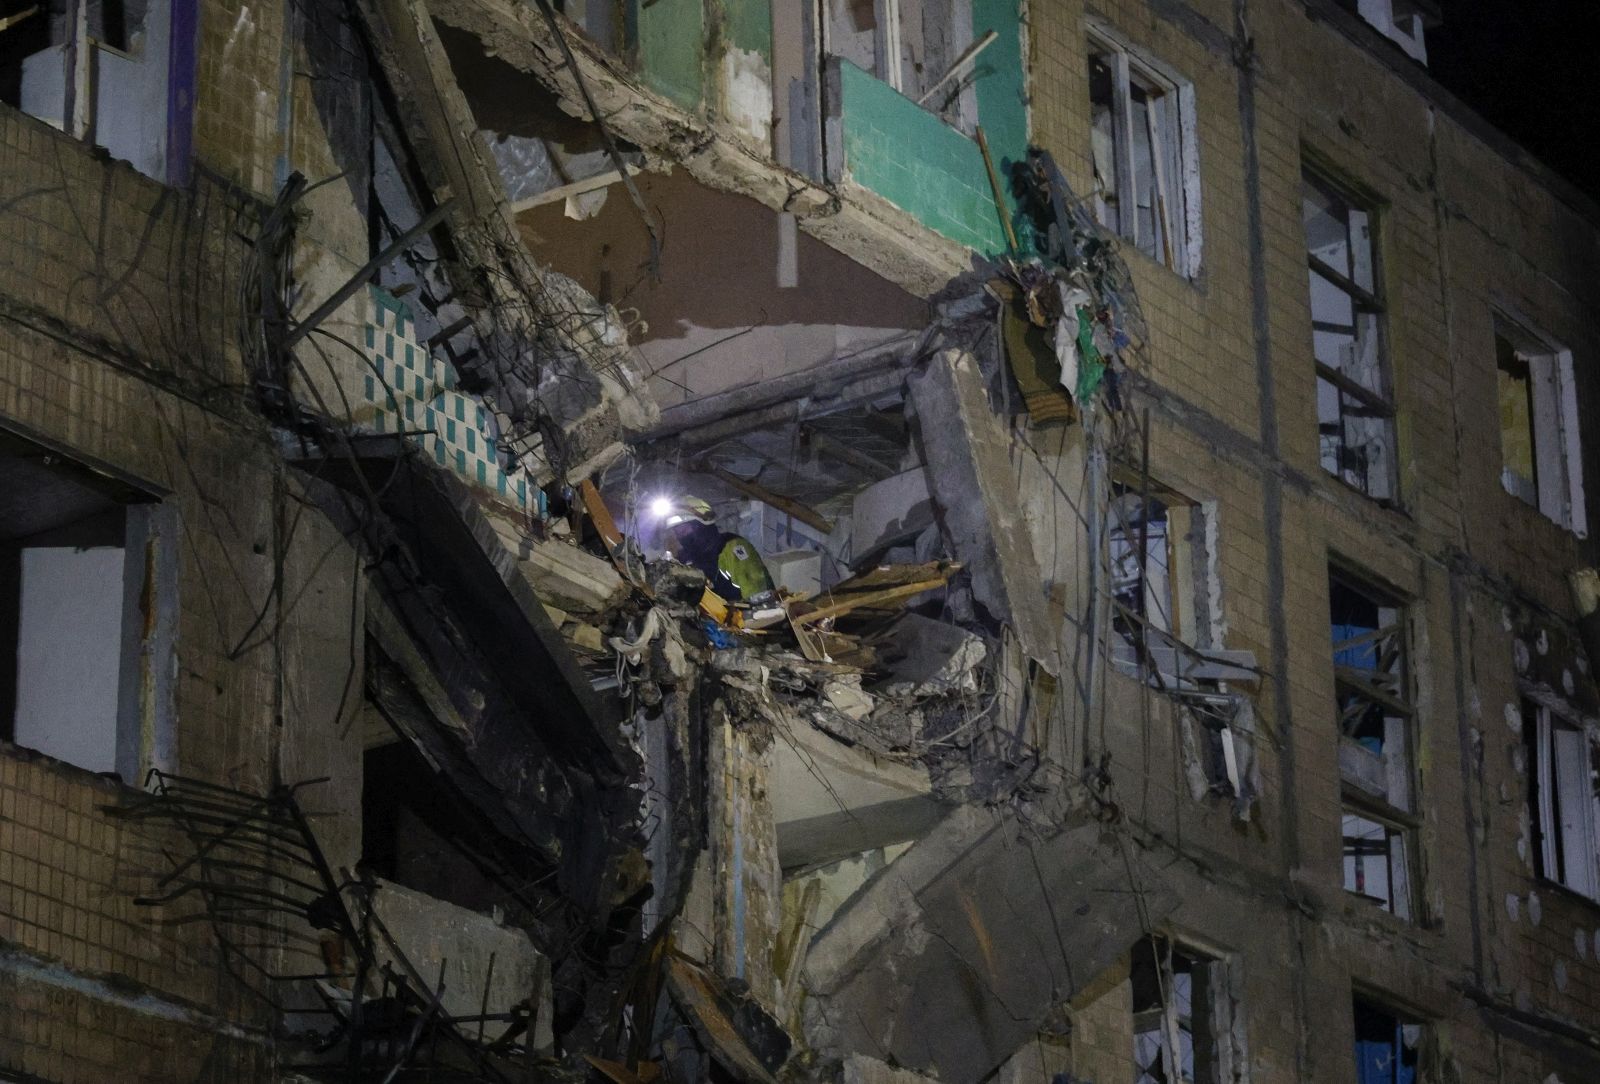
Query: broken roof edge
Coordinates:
[849,218]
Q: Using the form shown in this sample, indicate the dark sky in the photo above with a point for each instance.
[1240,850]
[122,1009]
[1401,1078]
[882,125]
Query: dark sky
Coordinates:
[1528,66]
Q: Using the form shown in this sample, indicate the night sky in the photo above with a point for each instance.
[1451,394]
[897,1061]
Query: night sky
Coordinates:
[1528,66]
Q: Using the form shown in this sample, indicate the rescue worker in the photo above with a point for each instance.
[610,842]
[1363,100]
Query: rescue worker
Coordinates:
[732,567]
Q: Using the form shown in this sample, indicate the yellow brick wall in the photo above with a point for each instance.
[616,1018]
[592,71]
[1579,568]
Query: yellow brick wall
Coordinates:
[1462,229]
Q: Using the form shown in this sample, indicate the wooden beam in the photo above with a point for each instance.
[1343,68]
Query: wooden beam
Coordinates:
[867,598]
[576,188]
[787,505]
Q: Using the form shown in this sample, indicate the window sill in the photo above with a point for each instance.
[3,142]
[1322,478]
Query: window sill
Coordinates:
[1532,512]
[1132,253]
[1391,505]
[1562,892]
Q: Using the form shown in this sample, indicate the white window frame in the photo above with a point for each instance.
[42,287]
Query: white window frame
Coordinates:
[1361,284]
[1177,167]
[1557,451]
[889,55]
[1566,808]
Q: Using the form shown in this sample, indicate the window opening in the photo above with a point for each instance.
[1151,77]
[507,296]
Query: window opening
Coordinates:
[98,70]
[1385,1046]
[1372,699]
[1540,455]
[1376,865]
[1563,767]
[911,45]
[1141,146]
[1355,411]
[1372,690]
[1176,1000]
[75,648]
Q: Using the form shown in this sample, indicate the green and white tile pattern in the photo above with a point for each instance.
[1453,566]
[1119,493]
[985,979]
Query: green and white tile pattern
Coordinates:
[409,390]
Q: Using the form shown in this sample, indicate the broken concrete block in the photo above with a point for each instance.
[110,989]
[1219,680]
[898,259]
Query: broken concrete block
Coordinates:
[927,657]
[486,965]
[952,957]
[587,637]
[831,799]
[967,451]
[846,695]
[562,575]
[892,510]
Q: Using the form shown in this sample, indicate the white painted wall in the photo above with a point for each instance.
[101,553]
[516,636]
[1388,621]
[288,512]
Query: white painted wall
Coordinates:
[69,654]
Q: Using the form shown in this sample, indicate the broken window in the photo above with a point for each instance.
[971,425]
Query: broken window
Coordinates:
[1372,690]
[1158,563]
[922,48]
[1179,1004]
[99,70]
[1385,1045]
[80,633]
[1142,146]
[1563,766]
[1541,464]
[1372,698]
[1355,407]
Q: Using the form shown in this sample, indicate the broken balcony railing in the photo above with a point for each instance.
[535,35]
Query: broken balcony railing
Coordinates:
[255,869]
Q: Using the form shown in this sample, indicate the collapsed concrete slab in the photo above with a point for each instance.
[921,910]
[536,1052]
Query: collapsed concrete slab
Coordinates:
[832,799]
[954,954]
[488,967]
[967,452]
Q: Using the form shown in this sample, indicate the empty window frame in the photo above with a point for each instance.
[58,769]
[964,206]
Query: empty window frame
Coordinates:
[1355,405]
[1142,146]
[1372,690]
[912,45]
[1181,1013]
[1563,766]
[1147,562]
[1386,1045]
[118,73]
[87,609]
[1540,459]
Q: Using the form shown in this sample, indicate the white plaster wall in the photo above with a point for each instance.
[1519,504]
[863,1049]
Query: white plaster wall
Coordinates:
[69,653]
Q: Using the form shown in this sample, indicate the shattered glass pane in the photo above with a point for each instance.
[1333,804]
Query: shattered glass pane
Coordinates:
[1371,689]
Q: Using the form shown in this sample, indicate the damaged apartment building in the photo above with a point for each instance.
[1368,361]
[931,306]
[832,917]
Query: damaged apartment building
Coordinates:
[868,541]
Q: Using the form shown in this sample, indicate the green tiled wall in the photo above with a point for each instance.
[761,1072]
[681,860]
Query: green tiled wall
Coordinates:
[408,390]
[919,163]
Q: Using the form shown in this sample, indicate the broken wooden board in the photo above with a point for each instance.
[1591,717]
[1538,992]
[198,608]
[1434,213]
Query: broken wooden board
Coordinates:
[787,505]
[619,1072]
[879,589]
[712,1013]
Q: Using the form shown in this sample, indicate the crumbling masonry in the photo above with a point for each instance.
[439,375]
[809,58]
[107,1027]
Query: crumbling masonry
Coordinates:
[1162,424]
